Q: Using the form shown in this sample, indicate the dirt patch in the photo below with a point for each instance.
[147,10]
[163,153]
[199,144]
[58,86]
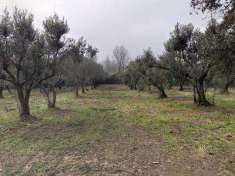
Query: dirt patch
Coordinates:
[133,153]
[137,154]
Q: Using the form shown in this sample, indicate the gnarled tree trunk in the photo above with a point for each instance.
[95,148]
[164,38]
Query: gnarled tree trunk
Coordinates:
[181,88]
[199,94]
[52,98]
[24,109]
[162,93]
[50,93]
[181,83]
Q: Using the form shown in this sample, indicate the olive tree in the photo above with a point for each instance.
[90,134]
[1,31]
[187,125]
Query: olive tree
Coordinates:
[198,52]
[201,58]
[81,67]
[157,78]
[144,71]
[54,30]
[22,57]
[133,78]
[225,68]
[176,48]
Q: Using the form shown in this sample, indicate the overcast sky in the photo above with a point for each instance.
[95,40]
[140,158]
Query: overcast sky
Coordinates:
[136,24]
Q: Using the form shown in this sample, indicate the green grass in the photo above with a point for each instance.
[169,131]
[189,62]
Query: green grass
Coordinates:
[103,114]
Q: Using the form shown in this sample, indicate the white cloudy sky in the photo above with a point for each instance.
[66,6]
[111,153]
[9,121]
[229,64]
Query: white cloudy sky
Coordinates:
[136,24]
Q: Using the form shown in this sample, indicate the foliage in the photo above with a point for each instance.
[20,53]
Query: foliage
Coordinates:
[192,55]
[55,30]
[22,56]
[213,5]
[143,72]
[81,67]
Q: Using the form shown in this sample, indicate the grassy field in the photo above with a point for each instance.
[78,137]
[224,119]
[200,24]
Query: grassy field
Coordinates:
[114,131]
